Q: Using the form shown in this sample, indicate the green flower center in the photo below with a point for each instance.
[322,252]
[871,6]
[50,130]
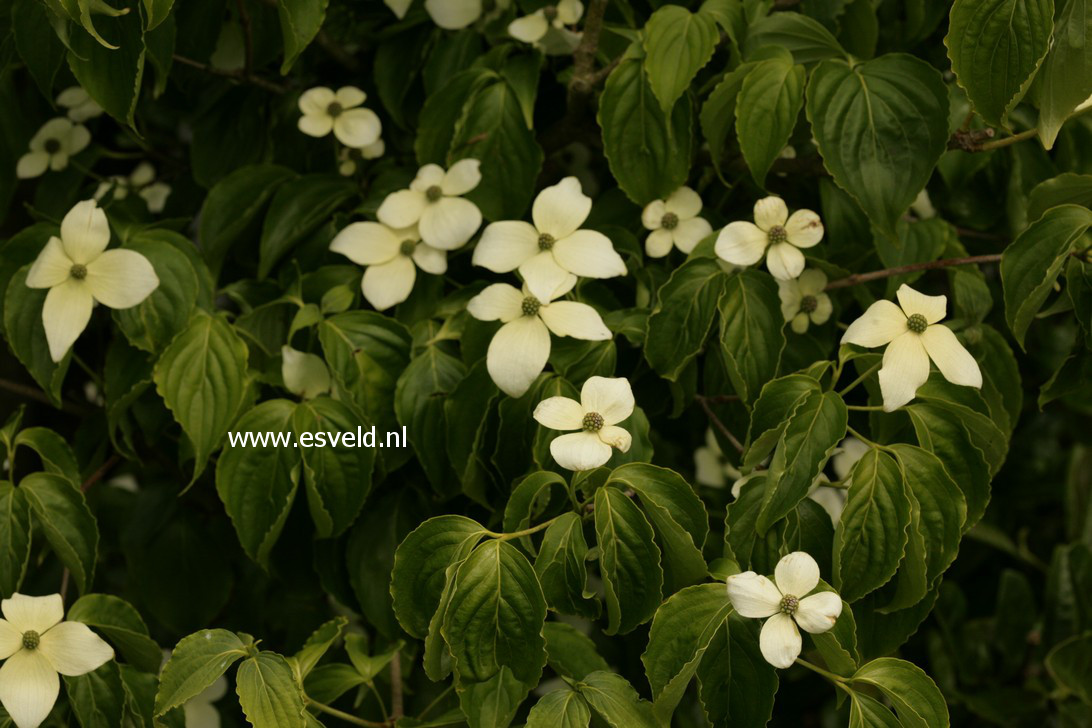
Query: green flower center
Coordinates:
[78,271]
[917,323]
[530,306]
[789,604]
[593,422]
[545,241]
[407,247]
[51,146]
[434,193]
[31,639]
[334,109]
[669,221]
[809,304]
[776,235]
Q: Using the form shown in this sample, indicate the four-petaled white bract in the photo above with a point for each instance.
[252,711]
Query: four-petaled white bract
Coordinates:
[392,257]
[554,245]
[141,179]
[448,14]
[348,158]
[325,111]
[674,221]
[913,336]
[36,645]
[79,271]
[520,348]
[435,205]
[545,28]
[604,402]
[304,375]
[786,604]
[803,300]
[51,146]
[79,104]
[775,234]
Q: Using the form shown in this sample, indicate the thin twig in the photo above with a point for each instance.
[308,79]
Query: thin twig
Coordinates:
[240,76]
[397,706]
[99,474]
[322,707]
[911,268]
[715,421]
[37,395]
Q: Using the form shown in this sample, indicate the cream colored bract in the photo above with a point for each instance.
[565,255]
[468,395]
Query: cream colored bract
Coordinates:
[674,222]
[604,402]
[774,234]
[434,203]
[341,112]
[392,257]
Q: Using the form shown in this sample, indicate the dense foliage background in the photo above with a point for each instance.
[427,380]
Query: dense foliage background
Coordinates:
[523,592]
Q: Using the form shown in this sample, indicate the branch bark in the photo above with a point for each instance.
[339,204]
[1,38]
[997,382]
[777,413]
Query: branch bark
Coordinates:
[911,268]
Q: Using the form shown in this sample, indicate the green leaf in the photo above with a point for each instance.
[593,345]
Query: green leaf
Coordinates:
[737,685]
[61,510]
[1065,79]
[419,565]
[677,515]
[1068,188]
[570,652]
[196,662]
[769,103]
[111,72]
[680,322]
[301,21]
[36,43]
[629,561]
[1031,264]
[419,406]
[56,455]
[995,47]
[202,378]
[681,631]
[156,11]
[813,431]
[677,45]
[563,708]
[97,697]
[804,37]
[15,529]
[319,643]
[269,468]
[25,335]
[269,693]
[881,127]
[338,477]
[493,129]
[871,535]
[718,113]
[770,415]
[648,152]
[915,697]
[942,507]
[369,666]
[866,712]
[561,570]
[751,335]
[441,113]
[233,207]
[152,323]
[299,206]
[1070,663]
[941,432]
[616,702]
[122,625]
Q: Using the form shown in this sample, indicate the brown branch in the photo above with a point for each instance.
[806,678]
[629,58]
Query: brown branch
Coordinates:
[911,268]
[99,474]
[240,76]
[397,705]
[37,395]
[583,82]
[715,421]
[248,38]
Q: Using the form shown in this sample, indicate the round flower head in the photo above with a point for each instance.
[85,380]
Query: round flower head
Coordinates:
[325,111]
[774,234]
[785,605]
[913,335]
[79,271]
[434,203]
[554,245]
[36,645]
[79,104]
[803,300]
[392,257]
[51,146]
[304,375]
[674,221]
[520,348]
[603,404]
[545,28]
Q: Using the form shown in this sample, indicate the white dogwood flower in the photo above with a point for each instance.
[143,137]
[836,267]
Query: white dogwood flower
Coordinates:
[803,300]
[448,14]
[786,603]
[199,710]
[545,28]
[775,234]
[51,146]
[35,645]
[142,179]
[832,499]
[305,375]
[554,245]
[434,203]
[604,402]
[711,468]
[79,104]
[674,221]
[341,112]
[79,271]
[922,206]
[913,335]
[520,348]
[392,257]
[349,158]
